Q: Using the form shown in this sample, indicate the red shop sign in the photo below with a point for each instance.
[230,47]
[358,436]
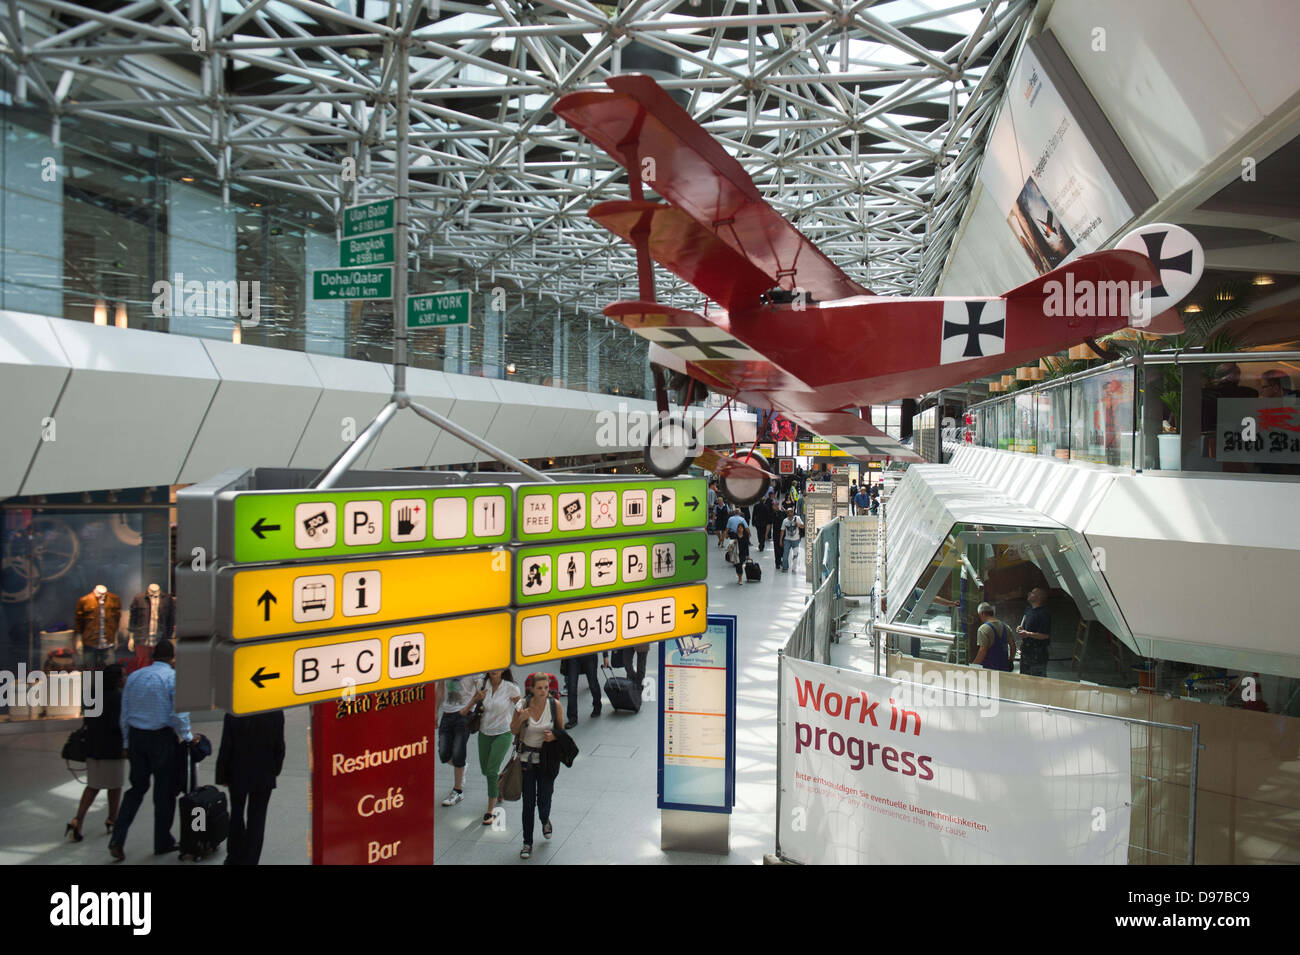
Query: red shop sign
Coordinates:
[372,786]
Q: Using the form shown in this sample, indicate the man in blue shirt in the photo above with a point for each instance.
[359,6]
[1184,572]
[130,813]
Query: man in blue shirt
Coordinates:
[150,726]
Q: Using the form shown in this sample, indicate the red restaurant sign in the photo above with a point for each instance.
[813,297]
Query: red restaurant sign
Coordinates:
[372,786]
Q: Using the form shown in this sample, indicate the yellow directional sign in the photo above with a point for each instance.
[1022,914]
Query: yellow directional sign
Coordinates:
[587,626]
[276,674]
[253,604]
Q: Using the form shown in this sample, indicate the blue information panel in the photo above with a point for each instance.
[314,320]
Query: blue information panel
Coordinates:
[697,719]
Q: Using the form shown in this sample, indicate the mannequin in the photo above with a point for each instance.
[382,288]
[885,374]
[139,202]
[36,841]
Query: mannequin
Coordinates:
[153,617]
[98,615]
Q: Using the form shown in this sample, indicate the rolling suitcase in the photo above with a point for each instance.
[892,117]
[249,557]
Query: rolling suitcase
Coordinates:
[205,817]
[623,693]
[753,571]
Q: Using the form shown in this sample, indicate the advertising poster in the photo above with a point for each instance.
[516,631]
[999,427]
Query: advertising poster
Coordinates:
[887,771]
[697,722]
[1041,170]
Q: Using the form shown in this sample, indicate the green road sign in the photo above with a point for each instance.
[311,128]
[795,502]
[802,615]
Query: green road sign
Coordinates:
[316,524]
[566,511]
[586,568]
[374,249]
[368,217]
[438,309]
[362,283]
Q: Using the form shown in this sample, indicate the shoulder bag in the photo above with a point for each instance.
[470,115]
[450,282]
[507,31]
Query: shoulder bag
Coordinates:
[74,750]
[510,784]
[475,721]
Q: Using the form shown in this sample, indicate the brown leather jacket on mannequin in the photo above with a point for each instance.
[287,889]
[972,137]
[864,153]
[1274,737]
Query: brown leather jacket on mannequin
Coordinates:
[87,624]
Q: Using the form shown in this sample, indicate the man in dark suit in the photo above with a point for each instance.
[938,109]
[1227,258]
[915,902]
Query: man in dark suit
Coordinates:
[250,758]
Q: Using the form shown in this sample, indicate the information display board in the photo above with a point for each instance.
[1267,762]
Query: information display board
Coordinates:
[697,719]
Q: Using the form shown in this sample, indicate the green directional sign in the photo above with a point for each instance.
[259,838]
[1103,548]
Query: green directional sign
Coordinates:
[368,217]
[585,568]
[346,284]
[270,526]
[438,309]
[567,511]
[374,249]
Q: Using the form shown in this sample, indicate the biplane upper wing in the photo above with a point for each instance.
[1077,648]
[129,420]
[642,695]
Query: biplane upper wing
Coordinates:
[651,136]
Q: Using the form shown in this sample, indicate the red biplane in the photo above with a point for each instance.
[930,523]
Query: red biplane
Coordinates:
[793,332]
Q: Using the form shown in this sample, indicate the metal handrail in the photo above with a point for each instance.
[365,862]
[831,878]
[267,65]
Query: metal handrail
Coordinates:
[1181,356]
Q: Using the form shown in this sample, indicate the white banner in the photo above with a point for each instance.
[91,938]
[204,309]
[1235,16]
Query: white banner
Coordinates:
[889,771]
[1043,173]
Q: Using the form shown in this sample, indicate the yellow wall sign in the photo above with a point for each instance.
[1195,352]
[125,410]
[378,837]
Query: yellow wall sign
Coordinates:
[598,625]
[253,604]
[819,449]
[273,675]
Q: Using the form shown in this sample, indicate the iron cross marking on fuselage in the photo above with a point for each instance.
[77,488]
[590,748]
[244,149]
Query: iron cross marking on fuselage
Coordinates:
[973,329]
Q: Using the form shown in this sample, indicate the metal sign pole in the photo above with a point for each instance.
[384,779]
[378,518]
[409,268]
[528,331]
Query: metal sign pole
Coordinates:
[400,215]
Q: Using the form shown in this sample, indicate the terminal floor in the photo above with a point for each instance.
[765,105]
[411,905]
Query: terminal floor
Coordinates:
[604,808]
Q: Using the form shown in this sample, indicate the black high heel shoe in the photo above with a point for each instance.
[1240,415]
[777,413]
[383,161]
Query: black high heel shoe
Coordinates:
[72,833]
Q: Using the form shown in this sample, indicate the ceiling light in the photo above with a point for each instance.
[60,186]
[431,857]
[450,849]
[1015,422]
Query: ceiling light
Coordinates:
[510,368]
[1262,280]
[1192,309]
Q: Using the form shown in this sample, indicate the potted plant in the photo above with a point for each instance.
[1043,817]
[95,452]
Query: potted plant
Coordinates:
[1204,330]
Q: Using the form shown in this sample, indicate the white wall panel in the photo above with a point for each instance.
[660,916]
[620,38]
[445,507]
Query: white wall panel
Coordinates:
[354,390]
[129,411]
[1258,40]
[577,431]
[408,438]
[988,260]
[33,369]
[1163,81]
[511,428]
[259,412]
[475,408]
[544,423]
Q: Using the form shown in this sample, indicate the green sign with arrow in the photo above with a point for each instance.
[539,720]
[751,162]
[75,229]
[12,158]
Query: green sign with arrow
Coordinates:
[347,284]
[367,218]
[567,511]
[590,568]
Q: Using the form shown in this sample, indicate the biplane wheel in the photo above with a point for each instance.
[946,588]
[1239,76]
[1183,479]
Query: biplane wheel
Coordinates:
[744,489]
[672,447]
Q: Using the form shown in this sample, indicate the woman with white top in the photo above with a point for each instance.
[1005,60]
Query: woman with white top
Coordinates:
[498,694]
[539,722]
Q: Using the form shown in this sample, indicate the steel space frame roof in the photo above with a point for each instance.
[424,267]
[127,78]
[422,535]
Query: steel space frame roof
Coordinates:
[864,123]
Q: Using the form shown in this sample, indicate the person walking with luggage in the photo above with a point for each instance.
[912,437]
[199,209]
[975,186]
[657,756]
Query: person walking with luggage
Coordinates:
[738,530]
[997,645]
[538,724]
[574,667]
[149,726]
[499,695]
[791,532]
[453,730]
[105,767]
[250,758]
